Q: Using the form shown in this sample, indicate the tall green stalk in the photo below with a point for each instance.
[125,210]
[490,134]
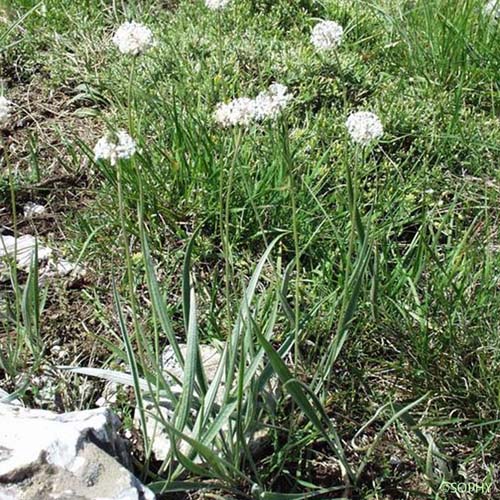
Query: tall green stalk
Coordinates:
[130,96]
[126,242]
[225,209]
[220,57]
[288,163]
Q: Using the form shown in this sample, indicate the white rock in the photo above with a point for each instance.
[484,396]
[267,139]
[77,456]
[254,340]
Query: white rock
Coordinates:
[210,358]
[64,267]
[109,395]
[47,455]
[21,249]
[31,209]
[61,268]
[157,436]
[101,402]
[173,372]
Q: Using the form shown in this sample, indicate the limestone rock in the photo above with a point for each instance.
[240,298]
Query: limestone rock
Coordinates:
[210,358]
[173,372]
[45,455]
[23,249]
[160,440]
[32,210]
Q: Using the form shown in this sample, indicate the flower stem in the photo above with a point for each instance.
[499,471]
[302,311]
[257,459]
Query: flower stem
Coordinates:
[126,242]
[225,226]
[130,97]
[221,87]
[295,231]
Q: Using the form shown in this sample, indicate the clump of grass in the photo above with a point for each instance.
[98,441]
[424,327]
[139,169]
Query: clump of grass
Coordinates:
[365,281]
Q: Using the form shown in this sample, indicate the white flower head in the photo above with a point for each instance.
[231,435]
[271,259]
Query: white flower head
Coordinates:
[243,110]
[5,110]
[216,4]
[492,8]
[114,146]
[364,127]
[326,35]
[133,38]
[271,103]
[240,111]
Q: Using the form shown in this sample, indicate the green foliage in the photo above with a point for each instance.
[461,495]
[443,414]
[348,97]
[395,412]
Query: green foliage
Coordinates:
[360,279]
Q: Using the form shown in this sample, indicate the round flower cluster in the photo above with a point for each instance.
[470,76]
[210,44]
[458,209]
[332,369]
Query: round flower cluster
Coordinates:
[243,110]
[492,8]
[364,127]
[327,35]
[133,38]
[270,104]
[114,146]
[240,111]
[216,4]
[5,110]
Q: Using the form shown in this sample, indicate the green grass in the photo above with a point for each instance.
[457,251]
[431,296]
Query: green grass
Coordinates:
[362,304]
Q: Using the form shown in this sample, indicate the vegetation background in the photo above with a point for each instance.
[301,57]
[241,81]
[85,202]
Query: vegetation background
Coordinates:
[365,280]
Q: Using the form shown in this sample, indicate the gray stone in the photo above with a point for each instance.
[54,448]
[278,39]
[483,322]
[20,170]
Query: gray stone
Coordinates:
[173,372]
[6,398]
[22,250]
[45,455]
[210,358]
